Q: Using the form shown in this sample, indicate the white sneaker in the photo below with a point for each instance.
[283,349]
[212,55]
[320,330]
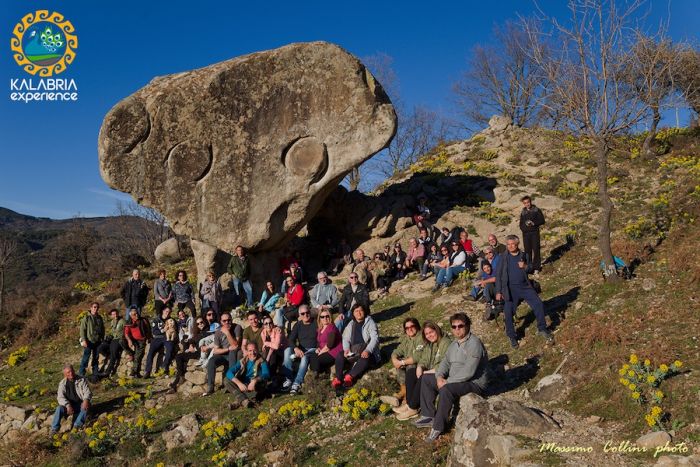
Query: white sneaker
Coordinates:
[287,384]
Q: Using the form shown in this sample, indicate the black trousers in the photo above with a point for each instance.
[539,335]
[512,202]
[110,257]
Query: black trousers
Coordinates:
[531,244]
[115,354]
[190,305]
[218,360]
[319,363]
[449,394]
[413,388]
[357,370]
[181,360]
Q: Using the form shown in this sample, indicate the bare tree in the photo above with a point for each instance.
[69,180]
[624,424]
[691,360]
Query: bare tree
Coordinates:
[586,84]
[8,246]
[501,79]
[147,227]
[687,76]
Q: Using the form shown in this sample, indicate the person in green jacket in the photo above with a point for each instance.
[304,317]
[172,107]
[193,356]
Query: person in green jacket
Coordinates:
[434,350]
[405,356]
[92,333]
[111,348]
[239,268]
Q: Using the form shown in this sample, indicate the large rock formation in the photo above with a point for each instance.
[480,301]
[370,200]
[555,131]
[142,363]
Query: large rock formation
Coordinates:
[245,151]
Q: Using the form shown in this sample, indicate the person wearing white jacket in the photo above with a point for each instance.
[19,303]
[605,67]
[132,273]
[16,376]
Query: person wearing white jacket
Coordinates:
[360,347]
[73,397]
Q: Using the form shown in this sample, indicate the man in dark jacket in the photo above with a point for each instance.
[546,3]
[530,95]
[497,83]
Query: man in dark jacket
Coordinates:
[353,294]
[134,293]
[92,333]
[531,218]
[239,268]
[513,286]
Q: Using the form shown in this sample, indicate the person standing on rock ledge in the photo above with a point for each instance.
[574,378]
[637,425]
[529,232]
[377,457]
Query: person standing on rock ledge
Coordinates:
[463,370]
[239,268]
[513,286]
[531,218]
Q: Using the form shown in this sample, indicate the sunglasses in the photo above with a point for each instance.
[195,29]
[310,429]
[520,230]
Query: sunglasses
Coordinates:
[266,323]
[410,326]
[199,323]
[325,316]
[458,326]
[225,320]
[353,277]
[210,314]
[303,314]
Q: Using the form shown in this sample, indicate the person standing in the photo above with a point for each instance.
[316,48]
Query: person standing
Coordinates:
[73,396]
[184,294]
[163,292]
[531,218]
[239,267]
[112,345]
[513,286]
[92,333]
[134,293]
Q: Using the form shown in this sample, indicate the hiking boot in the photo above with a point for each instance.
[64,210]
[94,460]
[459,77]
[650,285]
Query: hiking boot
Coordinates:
[286,385]
[514,343]
[488,313]
[336,383]
[295,389]
[400,409]
[408,414]
[547,336]
[435,288]
[432,436]
[247,404]
[234,405]
[424,422]
[348,381]
[470,298]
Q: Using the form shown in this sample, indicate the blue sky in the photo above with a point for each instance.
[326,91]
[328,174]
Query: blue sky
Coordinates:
[48,154]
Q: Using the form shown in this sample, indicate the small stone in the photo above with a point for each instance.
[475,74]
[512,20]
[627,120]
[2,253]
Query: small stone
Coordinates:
[593,419]
[648,284]
[391,400]
[678,461]
[653,439]
[150,404]
[16,413]
[273,456]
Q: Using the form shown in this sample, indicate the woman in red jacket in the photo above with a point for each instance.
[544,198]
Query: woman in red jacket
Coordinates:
[292,299]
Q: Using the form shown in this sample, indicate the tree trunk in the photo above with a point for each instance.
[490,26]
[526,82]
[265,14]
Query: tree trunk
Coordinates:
[602,149]
[646,147]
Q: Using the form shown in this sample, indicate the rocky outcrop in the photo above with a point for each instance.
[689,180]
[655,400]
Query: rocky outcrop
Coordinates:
[245,151]
[173,250]
[486,429]
[183,433]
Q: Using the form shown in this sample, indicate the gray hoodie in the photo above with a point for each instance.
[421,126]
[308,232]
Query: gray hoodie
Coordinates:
[465,361]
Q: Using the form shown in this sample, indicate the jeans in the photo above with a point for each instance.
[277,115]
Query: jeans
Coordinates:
[528,294]
[227,360]
[449,394]
[90,350]
[156,345]
[488,291]
[61,412]
[287,365]
[445,276]
[247,287]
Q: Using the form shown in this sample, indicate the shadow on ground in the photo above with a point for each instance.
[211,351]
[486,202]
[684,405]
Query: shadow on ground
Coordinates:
[507,380]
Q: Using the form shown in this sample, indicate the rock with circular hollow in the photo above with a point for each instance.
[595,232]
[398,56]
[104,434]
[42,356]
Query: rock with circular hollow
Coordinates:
[245,151]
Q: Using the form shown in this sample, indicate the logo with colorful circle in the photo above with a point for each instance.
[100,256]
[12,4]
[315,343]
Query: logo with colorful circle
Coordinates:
[44,43]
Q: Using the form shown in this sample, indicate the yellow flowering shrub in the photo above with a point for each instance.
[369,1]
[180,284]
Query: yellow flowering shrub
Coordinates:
[18,356]
[361,404]
[15,392]
[217,434]
[643,380]
[287,414]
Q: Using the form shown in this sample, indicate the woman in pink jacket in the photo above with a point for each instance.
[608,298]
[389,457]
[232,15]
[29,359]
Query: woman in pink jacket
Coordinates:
[330,344]
[273,344]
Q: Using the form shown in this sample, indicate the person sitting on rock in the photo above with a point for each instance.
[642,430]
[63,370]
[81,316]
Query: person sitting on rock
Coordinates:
[159,342]
[379,268]
[446,237]
[425,239]
[457,263]
[137,333]
[405,357]
[434,349]
[342,257]
[421,216]
[397,263]
[274,343]
[415,256]
[239,268]
[162,292]
[253,331]
[329,344]
[293,299]
[185,326]
[484,285]
[210,294]
[184,294]
[360,348]
[134,293]
[206,340]
[498,248]
[226,350]
[191,351]
[92,333]
[73,397]
[468,246]
[361,267]
[112,346]
[353,294]
[463,370]
[323,296]
[268,299]
[432,260]
[295,273]
[246,378]
[302,342]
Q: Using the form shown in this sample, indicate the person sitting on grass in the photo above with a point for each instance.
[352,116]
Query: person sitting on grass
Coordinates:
[73,396]
[461,371]
[360,348]
[246,379]
[415,257]
[137,333]
[329,344]
[434,349]
[405,357]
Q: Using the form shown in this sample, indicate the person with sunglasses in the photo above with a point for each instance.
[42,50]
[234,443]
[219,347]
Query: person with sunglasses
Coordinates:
[226,350]
[206,340]
[353,294]
[405,356]
[274,342]
[329,341]
[463,370]
[191,349]
[302,342]
[457,263]
[360,348]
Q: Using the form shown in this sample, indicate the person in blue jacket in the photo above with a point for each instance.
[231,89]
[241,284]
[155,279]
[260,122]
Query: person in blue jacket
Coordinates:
[246,379]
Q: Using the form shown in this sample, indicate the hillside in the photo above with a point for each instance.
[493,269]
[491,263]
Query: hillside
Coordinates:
[476,184]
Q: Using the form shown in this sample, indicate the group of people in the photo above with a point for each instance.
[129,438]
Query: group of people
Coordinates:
[291,329]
